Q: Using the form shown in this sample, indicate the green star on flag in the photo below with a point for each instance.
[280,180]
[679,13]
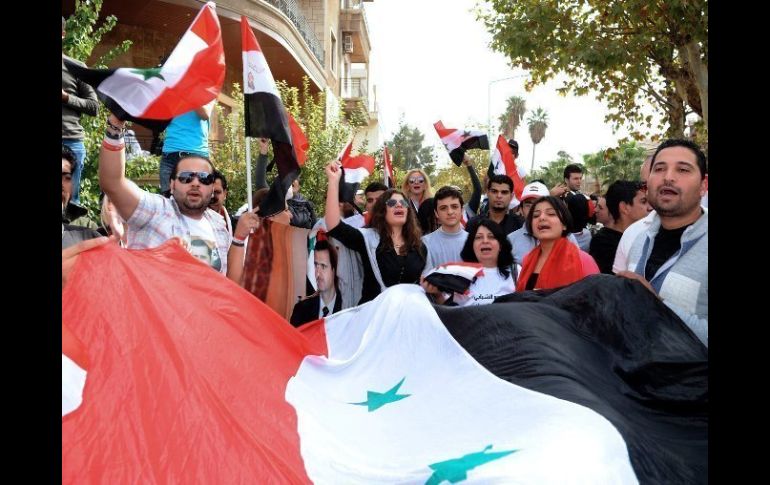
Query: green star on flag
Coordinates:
[375,400]
[456,469]
[149,73]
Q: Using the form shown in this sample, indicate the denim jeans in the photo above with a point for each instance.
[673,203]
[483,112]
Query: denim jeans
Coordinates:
[167,164]
[79,149]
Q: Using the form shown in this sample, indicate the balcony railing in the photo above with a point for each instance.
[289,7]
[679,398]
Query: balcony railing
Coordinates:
[294,13]
[354,87]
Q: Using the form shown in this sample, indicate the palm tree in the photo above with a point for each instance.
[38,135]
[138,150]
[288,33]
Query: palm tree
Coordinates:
[511,117]
[595,167]
[537,122]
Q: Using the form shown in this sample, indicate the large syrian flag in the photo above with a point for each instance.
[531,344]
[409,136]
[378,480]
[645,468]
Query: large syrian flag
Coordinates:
[458,141]
[387,392]
[387,169]
[191,77]
[503,162]
[266,117]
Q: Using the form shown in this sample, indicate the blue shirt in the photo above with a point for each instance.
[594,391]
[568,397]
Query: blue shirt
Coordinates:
[187,133]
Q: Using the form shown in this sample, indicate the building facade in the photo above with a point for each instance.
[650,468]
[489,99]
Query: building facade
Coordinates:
[325,40]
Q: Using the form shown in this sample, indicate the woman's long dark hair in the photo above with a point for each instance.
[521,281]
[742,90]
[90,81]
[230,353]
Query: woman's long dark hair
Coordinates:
[504,259]
[410,231]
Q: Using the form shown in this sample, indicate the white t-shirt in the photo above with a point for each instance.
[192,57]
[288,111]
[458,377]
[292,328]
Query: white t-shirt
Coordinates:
[627,240]
[486,288]
[202,243]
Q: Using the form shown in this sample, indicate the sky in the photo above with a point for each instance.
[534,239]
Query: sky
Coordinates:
[430,61]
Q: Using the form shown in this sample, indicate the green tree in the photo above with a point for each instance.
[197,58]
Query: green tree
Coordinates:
[627,52]
[537,123]
[619,163]
[81,37]
[458,176]
[407,151]
[553,173]
[511,118]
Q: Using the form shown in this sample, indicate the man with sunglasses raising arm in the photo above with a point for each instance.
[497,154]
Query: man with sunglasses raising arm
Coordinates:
[153,219]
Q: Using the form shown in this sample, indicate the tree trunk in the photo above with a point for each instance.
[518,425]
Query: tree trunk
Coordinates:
[701,74]
[532,167]
[676,116]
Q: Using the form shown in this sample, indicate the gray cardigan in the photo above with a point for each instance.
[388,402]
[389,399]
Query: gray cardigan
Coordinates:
[682,281]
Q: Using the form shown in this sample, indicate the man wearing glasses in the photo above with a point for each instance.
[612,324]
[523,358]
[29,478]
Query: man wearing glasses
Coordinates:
[153,219]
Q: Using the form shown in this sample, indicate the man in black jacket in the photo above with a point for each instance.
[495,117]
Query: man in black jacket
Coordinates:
[326,300]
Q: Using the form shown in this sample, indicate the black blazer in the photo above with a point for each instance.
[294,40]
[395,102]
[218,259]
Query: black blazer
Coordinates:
[307,310]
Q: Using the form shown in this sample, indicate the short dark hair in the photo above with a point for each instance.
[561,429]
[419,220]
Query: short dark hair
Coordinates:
[500,179]
[69,155]
[375,187]
[692,146]
[577,205]
[191,155]
[561,211]
[621,191]
[514,146]
[572,168]
[220,176]
[447,191]
[323,245]
[504,259]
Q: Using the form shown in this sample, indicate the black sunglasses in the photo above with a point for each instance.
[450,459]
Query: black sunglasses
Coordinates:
[204,177]
[393,202]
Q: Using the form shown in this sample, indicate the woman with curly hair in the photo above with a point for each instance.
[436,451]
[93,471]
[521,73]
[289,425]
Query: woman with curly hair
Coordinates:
[391,248]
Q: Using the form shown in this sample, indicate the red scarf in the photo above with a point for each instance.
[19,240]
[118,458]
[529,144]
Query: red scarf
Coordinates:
[562,267]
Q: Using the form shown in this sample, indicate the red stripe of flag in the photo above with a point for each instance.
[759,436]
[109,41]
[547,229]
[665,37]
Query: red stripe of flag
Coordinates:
[248,40]
[509,161]
[359,161]
[206,69]
[298,141]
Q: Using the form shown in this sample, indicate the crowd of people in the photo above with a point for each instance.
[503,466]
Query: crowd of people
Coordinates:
[653,230]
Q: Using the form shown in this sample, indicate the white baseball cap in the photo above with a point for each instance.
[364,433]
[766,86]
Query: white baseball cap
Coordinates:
[534,190]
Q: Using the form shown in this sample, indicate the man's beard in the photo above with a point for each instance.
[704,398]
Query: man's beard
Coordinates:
[196,207]
[498,209]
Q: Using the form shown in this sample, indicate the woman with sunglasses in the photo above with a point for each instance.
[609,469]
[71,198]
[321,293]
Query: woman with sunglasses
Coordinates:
[391,248]
[417,186]
[486,244]
[555,261]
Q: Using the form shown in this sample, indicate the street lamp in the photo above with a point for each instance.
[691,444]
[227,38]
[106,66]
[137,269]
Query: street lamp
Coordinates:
[489,101]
